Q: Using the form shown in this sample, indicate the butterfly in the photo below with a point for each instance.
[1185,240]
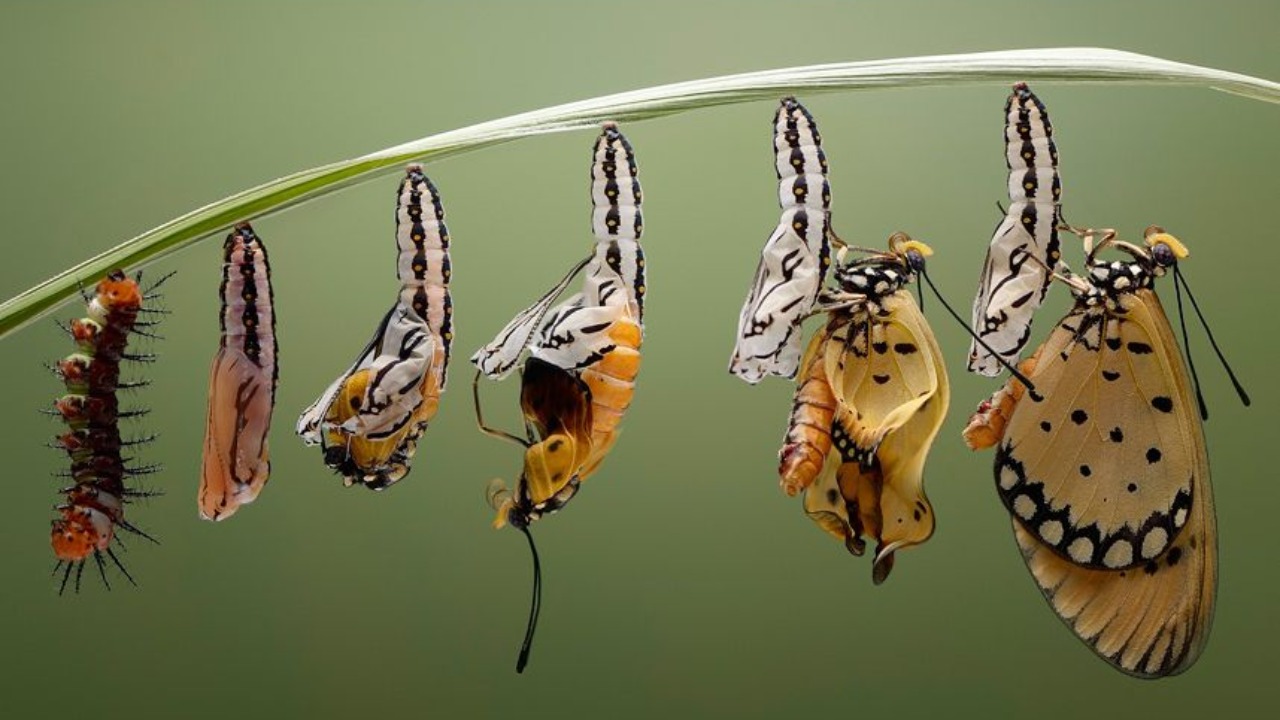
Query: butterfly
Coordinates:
[794,261]
[578,378]
[870,398]
[1103,468]
[1025,246]
[370,419]
[88,522]
[242,381]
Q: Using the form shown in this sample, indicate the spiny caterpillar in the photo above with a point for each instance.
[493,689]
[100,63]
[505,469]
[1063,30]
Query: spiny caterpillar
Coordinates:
[86,523]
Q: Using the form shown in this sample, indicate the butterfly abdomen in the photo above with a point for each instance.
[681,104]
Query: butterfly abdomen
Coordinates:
[808,438]
[612,383]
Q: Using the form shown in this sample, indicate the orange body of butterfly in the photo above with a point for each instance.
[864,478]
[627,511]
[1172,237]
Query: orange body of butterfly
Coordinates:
[577,418]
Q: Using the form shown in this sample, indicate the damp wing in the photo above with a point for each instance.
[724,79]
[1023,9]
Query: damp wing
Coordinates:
[1105,472]
[891,387]
[236,463]
[1015,275]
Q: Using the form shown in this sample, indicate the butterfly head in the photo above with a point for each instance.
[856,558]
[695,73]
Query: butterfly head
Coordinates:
[1165,249]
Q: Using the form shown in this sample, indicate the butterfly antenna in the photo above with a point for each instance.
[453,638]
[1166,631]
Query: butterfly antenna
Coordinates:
[535,604]
[1244,396]
[1014,371]
[1000,208]
[1186,345]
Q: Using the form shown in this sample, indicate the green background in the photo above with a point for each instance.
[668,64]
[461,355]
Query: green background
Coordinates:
[680,582]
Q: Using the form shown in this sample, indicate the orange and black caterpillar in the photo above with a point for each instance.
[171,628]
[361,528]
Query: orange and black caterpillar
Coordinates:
[86,524]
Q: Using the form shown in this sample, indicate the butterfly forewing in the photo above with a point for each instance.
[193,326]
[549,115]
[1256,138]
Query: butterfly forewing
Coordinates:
[1098,463]
[1104,470]
[1015,276]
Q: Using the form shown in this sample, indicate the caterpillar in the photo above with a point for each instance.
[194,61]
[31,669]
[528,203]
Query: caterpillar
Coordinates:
[370,419]
[242,381]
[87,522]
[579,376]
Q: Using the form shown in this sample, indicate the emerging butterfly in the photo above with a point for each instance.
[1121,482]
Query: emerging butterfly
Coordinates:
[94,510]
[1025,246]
[795,258]
[579,376]
[1103,467]
[369,420]
[871,396]
[242,381]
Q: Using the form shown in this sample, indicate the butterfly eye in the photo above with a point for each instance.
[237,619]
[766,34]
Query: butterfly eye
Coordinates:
[915,260]
[1164,255]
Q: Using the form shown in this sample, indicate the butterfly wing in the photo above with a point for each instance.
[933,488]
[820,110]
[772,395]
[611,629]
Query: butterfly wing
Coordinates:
[887,375]
[1105,472]
[1015,276]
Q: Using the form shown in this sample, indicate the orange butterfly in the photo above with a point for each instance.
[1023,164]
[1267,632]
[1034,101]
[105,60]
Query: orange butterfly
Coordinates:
[1103,467]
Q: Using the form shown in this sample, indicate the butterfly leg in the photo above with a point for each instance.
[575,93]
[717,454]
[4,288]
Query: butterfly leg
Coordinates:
[986,426]
[475,392]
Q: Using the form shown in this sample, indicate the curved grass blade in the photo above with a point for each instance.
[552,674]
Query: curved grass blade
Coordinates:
[1055,64]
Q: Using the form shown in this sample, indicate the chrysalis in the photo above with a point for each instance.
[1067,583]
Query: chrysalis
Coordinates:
[1104,471]
[794,260]
[584,355]
[94,510]
[1024,248]
[370,418]
[871,396]
[242,381]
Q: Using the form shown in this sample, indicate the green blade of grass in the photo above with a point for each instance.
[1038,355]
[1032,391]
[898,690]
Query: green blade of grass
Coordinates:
[1057,64]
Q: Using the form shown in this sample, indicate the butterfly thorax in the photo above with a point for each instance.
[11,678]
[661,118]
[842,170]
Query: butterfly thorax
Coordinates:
[1109,282]
[876,279]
